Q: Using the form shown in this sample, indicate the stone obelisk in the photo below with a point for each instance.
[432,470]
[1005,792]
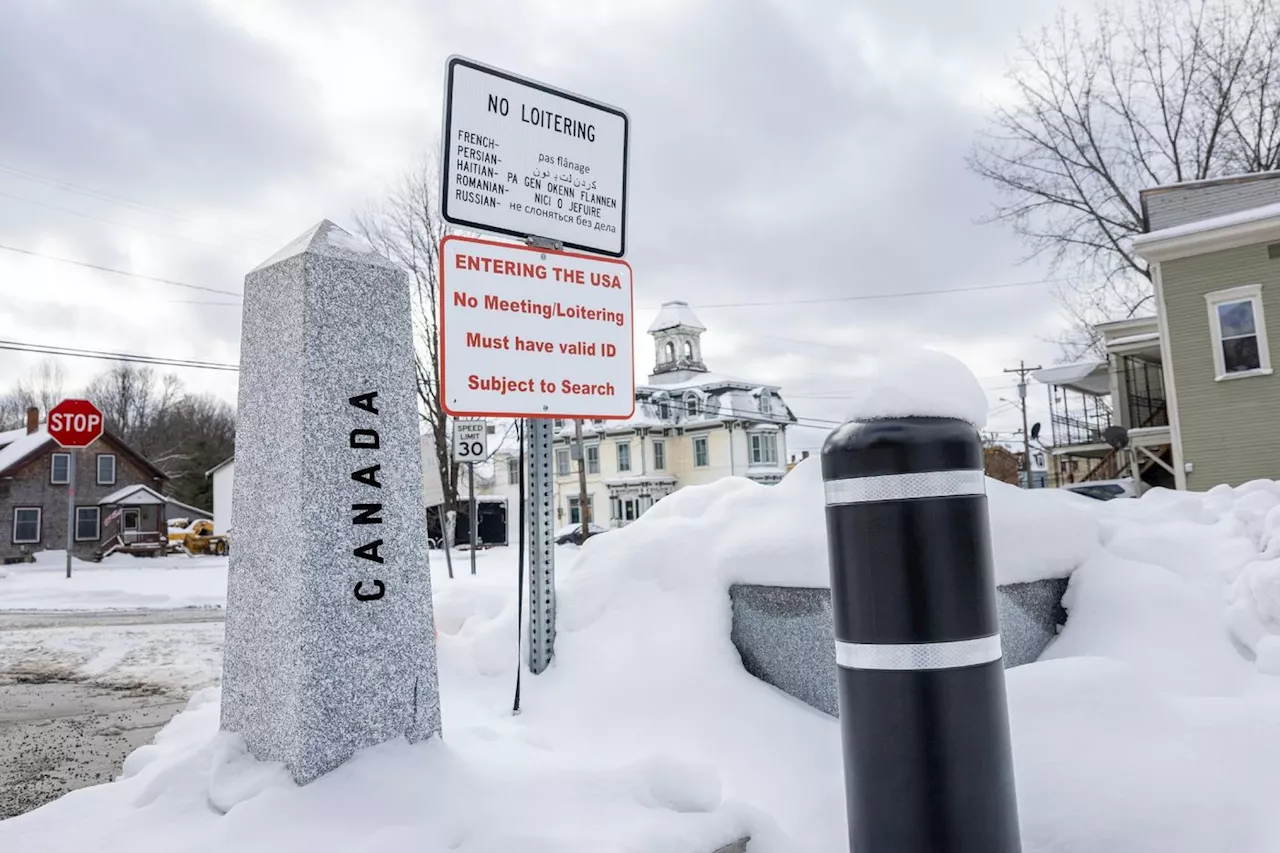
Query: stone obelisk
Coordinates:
[329,639]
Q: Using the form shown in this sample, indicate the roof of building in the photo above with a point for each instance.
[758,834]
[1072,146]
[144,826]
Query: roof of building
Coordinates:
[704,380]
[673,314]
[135,495]
[16,445]
[1246,177]
[223,464]
[1213,223]
[1089,377]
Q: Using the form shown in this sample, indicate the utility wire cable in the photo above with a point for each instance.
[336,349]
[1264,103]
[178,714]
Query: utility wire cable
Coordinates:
[113,271]
[20,346]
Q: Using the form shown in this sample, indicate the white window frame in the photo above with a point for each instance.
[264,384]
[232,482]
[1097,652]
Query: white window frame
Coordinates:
[692,406]
[623,448]
[757,445]
[706,452]
[766,403]
[659,454]
[39,525]
[513,470]
[97,466]
[562,456]
[53,457]
[97,523]
[1246,293]
[593,458]
[575,509]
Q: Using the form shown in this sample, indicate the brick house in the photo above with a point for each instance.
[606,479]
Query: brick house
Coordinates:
[110,505]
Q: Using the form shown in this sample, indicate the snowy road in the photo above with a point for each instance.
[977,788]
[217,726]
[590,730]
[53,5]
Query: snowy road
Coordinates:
[13,620]
[81,690]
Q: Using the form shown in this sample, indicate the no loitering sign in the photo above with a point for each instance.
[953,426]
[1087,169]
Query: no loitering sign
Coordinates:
[533,333]
[524,159]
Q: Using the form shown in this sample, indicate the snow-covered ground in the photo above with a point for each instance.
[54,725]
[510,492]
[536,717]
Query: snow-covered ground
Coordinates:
[119,582]
[1148,726]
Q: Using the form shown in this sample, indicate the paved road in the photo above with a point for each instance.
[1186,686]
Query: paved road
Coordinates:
[56,736]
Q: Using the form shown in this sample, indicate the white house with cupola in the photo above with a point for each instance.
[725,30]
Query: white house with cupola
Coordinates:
[690,426]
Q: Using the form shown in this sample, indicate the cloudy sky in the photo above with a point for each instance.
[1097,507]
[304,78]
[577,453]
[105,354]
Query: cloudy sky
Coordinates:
[782,153]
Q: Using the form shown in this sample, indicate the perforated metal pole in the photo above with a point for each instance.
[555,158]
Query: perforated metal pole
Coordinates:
[923,717]
[71,506]
[542,566]
[473,520]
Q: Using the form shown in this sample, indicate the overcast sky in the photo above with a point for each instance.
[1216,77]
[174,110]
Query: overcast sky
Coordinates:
[780,151]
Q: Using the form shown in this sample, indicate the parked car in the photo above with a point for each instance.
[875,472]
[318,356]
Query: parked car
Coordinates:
[1104,490]
[572,534]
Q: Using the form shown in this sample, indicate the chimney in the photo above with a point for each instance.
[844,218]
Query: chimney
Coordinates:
[33,419]
[804,454]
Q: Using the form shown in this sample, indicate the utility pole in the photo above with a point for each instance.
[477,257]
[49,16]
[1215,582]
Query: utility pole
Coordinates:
[1022,370]
[582,479]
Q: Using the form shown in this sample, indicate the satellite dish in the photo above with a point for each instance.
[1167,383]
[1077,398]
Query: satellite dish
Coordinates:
[1035,431]
[1116,436]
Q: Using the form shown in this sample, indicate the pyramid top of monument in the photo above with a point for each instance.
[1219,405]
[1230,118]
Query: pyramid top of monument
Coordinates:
[328,239]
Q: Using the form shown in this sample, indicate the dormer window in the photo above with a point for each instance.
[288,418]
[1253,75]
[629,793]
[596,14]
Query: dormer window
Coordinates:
[766,403]
[691,407]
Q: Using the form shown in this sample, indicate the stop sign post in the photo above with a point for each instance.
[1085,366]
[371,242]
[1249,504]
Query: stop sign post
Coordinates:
[74,424]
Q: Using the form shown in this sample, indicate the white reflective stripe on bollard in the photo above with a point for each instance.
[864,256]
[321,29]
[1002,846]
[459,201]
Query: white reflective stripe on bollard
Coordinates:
[902,487]
[909,656]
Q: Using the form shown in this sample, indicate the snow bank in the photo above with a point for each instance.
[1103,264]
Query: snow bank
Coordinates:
[776,535]
[922,382]
[1148,725]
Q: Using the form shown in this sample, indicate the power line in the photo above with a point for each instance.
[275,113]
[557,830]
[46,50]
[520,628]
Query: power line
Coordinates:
[865,296]
[100,268]
[20,346]
[112,198]
[71,212]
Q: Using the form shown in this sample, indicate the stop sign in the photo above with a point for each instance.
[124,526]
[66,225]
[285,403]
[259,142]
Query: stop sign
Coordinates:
[75,423]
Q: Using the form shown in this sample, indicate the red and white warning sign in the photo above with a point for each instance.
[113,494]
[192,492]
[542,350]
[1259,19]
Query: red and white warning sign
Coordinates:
[534,333]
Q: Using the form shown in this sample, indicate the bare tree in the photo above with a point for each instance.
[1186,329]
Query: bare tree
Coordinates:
[1154,92]
[407,228]
[43,387]
[133,402]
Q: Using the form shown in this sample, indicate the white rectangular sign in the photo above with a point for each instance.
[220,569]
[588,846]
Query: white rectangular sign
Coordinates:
[470,441]
[532,333]
[525,159]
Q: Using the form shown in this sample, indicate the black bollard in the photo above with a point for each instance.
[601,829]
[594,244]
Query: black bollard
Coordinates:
[923,717]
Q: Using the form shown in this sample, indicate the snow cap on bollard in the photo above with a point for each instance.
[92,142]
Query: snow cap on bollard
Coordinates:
[923,717]
[917,382]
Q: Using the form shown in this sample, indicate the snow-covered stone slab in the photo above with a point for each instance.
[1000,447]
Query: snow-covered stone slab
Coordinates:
[329,639]
[785,633]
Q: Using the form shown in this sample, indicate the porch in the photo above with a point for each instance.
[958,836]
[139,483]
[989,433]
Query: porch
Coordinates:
[631,497]
[1125,390]
[133,522]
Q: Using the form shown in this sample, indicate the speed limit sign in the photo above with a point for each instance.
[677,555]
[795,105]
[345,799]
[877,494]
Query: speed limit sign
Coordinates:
[470,441]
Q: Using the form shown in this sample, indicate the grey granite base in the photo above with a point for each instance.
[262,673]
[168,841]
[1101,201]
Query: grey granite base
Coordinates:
[784,634]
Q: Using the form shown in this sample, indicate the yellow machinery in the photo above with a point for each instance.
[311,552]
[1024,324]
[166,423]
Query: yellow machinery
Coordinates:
[198,538]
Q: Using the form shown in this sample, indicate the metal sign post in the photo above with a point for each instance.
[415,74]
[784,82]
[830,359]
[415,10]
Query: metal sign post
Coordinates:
[542,564]
[71,508]
[471,513]
[471,445]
